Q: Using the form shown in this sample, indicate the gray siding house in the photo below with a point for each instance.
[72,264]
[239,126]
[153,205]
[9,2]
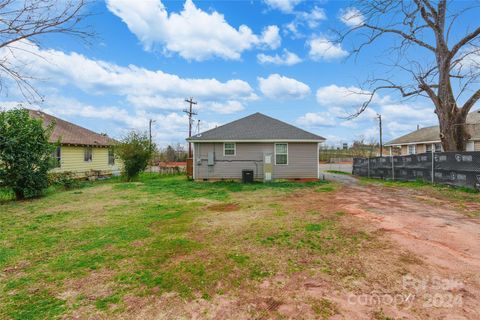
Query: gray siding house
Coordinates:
[272,149]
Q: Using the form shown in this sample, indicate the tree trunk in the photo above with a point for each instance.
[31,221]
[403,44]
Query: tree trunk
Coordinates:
[19,195]
[453,130]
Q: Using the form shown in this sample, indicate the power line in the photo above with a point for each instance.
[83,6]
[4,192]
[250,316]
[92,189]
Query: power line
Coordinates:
[190,114]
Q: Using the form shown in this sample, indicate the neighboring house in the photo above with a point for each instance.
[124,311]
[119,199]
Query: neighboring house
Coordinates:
[428,139]
[81,151]
[272,149]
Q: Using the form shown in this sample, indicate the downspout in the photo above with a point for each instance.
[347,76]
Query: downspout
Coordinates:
[318,160]
[194,163]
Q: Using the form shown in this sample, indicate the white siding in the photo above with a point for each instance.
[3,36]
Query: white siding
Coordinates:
[302,161]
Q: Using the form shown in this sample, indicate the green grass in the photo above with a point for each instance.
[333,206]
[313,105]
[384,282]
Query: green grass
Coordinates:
[142,238]
[451,192]
[416,184]
[325,308]
[339,172]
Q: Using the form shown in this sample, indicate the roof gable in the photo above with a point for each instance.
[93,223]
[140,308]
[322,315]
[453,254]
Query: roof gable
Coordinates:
[69,133]
[254,127]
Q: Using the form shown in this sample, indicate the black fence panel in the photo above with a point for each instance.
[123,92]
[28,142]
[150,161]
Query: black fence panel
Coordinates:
[452,168]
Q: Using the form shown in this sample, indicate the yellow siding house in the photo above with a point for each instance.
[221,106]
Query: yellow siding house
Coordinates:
[82,152]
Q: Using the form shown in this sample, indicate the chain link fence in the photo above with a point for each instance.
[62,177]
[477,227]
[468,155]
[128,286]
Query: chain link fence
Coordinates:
[451,168]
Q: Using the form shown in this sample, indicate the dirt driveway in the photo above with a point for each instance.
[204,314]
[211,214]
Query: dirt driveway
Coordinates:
[434,230]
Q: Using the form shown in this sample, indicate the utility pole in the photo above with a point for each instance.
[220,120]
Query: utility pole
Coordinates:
[150,133]
[190,113]
[379,116]
[150,140]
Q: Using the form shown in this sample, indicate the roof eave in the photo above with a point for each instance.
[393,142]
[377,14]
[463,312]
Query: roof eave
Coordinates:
[394,144]
[255,140]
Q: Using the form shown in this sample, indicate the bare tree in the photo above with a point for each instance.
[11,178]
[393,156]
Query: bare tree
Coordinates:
[23,23]
[439,60]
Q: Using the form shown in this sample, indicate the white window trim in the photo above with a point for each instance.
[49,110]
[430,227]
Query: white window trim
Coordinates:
[234,150]
[275,154]
[91,158]
[414,149]
[108,157]
[432,148]
[60,158]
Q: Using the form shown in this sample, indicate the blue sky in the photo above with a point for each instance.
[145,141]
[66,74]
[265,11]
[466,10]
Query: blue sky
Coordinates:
[234,57]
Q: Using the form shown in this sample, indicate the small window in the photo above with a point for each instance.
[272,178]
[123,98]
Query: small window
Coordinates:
[229,149]
[87,154]
[111,157]
[57,157]
[411,149]
[429,148]
[438,147]
[281,153]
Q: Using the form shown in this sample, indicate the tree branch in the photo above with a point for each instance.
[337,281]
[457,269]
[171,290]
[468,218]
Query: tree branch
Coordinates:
[470,102]
[403,34]
[464,41]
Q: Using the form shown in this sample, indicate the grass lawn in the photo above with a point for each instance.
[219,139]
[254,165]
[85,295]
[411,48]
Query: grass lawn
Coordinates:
[97,251]
[339,172]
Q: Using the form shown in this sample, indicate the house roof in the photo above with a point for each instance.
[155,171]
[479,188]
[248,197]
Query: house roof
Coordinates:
[256,127]
[432,134]
[69,133]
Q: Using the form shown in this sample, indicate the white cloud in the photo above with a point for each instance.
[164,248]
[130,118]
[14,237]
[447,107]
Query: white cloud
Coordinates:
[312,18]
[271,37]
[281,87]
[352,17]
[334,95]
[156,102]
[285,6]
[226,108]
[192,33]
[403,111]
[287,58]
[142,87]
[319,119]
[117,121]
[323,49]
[338,102]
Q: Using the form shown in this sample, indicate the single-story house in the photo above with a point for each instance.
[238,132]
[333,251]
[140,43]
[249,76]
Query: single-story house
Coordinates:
[81,151]
[427,139]
[272,149]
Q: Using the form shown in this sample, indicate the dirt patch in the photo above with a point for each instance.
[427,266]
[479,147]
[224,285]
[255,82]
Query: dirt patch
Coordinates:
[93,286]
[224,207]
[437,240]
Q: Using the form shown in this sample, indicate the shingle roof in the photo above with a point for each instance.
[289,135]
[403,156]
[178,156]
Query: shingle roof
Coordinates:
[432,134]
[256,127]
[69,133]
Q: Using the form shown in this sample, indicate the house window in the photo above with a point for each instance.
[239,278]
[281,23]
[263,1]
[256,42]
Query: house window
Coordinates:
[111,157]
[411,149]
[429,148]
[57,157]
[281,153]
[229,149]
[87,154]
[438,147]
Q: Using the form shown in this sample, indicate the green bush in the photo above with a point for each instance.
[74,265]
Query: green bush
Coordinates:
[66,180]
[135,151]
[25,153]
